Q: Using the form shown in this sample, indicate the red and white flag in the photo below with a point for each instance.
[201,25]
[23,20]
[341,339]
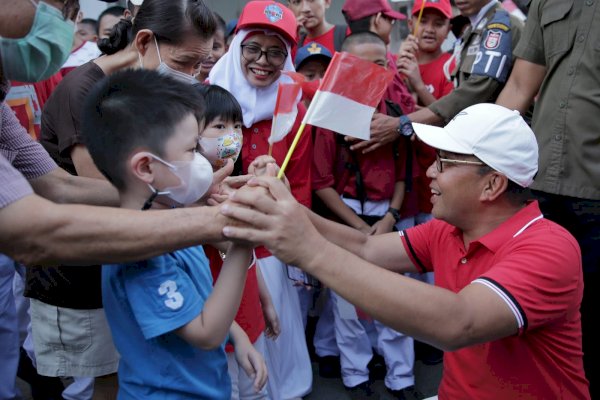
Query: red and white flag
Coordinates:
[286,108]
[348,96]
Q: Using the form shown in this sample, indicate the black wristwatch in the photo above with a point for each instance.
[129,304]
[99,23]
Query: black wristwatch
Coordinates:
[405,127]
[395,213]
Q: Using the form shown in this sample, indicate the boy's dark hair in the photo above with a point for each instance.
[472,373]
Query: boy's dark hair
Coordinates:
[91,23]
[134,109]
[362,38]
[171,21]
[221,24]
[359,25]
[116,11]
[219,103]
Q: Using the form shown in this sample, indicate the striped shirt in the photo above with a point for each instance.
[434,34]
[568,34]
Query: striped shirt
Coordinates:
[21,158]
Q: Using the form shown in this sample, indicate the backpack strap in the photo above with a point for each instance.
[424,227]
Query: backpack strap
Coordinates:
[301,38]
[339,34]
[394,110]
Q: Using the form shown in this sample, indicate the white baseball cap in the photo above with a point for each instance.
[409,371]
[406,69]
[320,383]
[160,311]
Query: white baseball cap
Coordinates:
[496,135]
[136,2]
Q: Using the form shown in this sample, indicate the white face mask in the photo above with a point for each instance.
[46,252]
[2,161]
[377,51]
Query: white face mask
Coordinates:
[164,69]
[195,177]
[218,150]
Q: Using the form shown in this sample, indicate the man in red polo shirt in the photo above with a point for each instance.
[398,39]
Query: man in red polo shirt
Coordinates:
[509,283]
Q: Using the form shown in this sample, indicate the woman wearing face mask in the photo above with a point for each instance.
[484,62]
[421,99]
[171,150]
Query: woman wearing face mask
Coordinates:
[172,37]
[251,70]
[50,34]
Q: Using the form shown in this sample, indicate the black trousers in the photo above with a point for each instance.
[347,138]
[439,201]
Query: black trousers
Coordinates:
[581,218]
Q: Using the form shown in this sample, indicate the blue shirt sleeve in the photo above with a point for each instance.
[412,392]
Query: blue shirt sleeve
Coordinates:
[162,295]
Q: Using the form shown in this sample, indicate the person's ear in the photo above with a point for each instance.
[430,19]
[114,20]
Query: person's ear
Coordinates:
[373,22]
[327,4]
[495,185]
[142,41]
[140,166]
[376,19]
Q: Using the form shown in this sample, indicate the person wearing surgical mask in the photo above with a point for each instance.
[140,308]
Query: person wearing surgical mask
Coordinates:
[164,311]
[221,139]
[35,40]
[252,70]
[172,38]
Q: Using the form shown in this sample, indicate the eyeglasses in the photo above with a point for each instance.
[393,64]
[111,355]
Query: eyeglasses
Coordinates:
[391,20]
[439,162]
[252,52]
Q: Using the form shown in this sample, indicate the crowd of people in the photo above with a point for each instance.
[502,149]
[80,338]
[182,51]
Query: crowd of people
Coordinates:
[150,251]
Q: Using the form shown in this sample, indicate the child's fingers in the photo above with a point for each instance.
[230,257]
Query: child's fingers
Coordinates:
[260,367]
[247,366]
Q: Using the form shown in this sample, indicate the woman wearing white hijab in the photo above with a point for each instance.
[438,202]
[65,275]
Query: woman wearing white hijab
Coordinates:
[251,71]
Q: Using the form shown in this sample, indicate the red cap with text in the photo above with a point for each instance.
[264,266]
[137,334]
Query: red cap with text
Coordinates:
[269,15]
[442,6]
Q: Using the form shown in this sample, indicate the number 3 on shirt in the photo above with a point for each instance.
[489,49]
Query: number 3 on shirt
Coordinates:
[174,298]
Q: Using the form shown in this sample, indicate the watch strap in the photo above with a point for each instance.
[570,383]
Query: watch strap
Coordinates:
[395,213]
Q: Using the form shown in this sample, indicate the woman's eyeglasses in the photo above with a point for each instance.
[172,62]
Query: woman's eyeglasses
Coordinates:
[252,52]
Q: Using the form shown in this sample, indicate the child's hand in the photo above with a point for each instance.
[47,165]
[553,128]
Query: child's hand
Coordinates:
[224,188]
[252,362]
[408,66]
[266,166]
[272,329]
[258,167]
[410,45]
[384,225]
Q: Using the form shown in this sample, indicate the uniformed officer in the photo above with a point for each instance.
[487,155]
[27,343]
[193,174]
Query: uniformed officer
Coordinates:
[480,65]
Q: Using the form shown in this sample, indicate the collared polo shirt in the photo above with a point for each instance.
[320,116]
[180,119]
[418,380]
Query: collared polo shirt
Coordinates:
[534,266]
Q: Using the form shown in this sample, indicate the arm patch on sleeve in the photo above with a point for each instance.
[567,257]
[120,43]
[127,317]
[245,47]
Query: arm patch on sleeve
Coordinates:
[494,56]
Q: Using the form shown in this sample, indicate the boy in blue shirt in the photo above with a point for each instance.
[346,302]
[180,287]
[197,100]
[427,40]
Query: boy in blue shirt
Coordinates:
[168,322]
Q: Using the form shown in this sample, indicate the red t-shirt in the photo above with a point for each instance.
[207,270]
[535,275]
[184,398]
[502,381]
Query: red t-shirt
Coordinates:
[379,169]
[399,93]
[298,170]
[534,265]
[327,39]
[433,77]
[249,316]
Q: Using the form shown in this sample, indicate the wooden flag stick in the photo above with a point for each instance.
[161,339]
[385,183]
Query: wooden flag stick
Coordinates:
[419,18]
[291,151]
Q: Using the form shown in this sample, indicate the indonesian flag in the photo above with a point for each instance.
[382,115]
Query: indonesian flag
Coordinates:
[286,108]
[348,96]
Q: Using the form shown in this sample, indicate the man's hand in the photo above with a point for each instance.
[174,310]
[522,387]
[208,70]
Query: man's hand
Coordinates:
[274,219]
[383,131]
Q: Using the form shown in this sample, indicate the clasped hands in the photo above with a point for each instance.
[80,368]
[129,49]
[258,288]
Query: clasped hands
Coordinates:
[261,210]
